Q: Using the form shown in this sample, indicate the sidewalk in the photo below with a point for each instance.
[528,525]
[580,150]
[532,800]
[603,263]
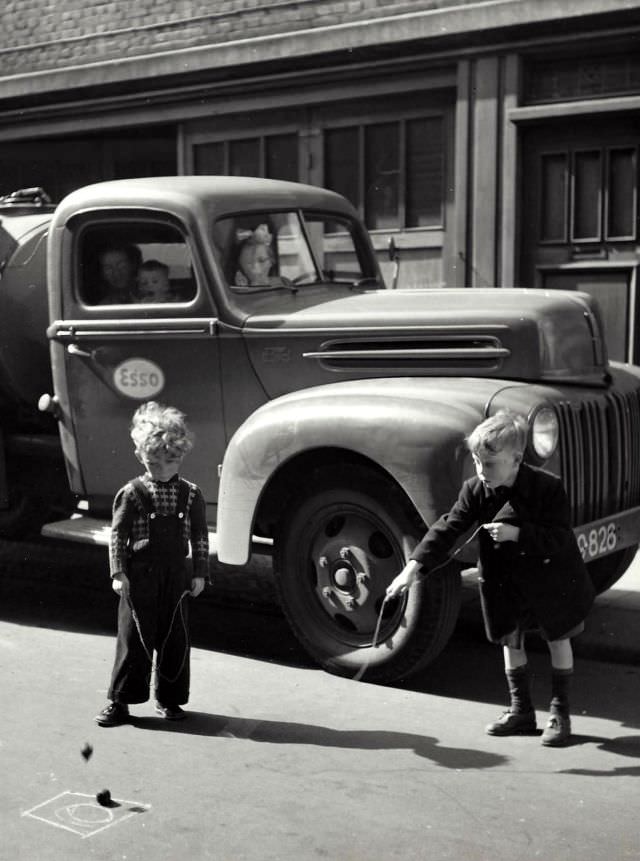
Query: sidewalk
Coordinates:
[612,630]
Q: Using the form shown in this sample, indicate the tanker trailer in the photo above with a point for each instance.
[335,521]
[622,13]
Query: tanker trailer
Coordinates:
[33,482]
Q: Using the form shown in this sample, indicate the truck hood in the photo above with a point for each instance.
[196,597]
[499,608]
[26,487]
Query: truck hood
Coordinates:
[506,333]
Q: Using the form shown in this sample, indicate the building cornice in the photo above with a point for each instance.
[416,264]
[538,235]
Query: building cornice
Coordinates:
[401,29]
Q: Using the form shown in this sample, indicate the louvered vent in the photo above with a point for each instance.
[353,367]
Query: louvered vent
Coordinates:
[460,352]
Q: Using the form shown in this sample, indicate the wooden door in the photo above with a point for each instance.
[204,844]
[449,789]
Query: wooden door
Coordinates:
[579,218]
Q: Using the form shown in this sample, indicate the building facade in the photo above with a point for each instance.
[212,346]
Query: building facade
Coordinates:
[496,142]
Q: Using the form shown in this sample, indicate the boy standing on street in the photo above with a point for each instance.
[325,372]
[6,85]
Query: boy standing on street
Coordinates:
[157,518]
[532,577]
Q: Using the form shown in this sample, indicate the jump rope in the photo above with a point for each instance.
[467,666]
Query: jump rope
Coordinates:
[156,660]
[374,643]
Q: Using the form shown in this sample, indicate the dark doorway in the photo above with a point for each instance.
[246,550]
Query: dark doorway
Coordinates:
[62,164]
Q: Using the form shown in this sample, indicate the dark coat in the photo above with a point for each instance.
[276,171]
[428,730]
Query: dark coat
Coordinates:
[539,581]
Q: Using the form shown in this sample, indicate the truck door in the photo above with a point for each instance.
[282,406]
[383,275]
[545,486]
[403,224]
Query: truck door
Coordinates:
[137,324]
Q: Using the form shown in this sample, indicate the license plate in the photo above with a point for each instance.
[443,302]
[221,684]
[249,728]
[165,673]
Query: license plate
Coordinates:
[609,534]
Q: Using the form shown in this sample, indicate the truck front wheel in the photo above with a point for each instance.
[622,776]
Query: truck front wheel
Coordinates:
[335,557]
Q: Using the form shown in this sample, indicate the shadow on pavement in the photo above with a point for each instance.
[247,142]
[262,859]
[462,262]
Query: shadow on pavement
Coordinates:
[284,732]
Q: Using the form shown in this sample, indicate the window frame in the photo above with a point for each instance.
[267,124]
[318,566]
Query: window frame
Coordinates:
[335,240]
[259,135]
[611,237]
[101,222]
[566,197]
[604,214]
[402,119]
[598,236]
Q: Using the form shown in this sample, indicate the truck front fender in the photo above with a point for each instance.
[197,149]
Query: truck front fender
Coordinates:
[414,429]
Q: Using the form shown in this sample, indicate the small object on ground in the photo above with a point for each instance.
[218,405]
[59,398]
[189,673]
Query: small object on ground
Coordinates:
[104,798]
[87,752]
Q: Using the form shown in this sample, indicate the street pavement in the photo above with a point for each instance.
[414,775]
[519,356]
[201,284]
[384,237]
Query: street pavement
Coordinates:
[279,761]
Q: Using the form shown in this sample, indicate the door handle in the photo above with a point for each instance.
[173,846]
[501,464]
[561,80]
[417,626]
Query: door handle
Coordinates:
[92,362]
[74,350]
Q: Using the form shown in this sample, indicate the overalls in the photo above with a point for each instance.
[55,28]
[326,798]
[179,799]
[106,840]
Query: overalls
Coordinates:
[153,611]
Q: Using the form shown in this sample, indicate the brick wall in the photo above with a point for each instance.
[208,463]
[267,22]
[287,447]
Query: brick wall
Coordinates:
[38,35]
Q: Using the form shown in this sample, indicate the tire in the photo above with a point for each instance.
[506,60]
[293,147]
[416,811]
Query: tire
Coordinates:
[332,600]
[609,569]
[23,516]
[35,491]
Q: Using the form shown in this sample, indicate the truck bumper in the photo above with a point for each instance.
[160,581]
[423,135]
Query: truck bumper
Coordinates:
[609,534]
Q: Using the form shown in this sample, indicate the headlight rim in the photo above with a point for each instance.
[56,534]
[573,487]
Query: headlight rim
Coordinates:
[534,416]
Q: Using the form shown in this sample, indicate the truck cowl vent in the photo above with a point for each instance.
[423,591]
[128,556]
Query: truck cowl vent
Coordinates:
[484,352]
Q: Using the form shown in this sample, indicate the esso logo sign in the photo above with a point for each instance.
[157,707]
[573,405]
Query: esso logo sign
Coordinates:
[138,378]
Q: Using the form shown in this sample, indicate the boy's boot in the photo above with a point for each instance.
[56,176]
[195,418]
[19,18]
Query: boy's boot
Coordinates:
[113,714]
[558,728]
[520,717]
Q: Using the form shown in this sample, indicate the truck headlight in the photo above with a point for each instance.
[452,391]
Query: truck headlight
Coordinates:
[544,433]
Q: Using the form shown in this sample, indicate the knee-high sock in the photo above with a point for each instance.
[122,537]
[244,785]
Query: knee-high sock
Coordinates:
[560,681]
[519,681]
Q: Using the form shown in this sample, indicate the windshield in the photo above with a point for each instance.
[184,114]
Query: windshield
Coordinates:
[290,250]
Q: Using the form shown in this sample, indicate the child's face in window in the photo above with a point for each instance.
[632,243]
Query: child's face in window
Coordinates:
[255,262]
[153,285]
[496,470]
[159,465]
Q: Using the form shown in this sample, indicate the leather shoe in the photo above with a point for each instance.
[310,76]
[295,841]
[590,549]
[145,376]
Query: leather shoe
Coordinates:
[170,712]
[113,714]
[512,723]
[557,731]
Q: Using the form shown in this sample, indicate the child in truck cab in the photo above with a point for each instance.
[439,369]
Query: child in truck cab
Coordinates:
[157,518]
[153,282]
[532,577]
[255,259]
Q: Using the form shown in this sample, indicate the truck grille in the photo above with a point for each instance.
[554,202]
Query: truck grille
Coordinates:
[600,451]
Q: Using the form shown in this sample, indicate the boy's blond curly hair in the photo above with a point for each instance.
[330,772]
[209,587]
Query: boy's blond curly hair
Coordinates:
[156,428]
[505,431]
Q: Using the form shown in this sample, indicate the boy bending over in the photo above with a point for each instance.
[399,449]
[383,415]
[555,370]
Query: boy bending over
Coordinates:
[532,577]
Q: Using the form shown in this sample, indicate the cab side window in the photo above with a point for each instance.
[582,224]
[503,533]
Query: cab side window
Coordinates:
[262,250]
[135,264]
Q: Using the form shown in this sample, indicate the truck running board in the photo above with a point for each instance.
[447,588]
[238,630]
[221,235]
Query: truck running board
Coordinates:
[93,530]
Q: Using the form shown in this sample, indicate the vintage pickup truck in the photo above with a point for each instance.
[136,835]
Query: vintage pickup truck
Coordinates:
[329,412]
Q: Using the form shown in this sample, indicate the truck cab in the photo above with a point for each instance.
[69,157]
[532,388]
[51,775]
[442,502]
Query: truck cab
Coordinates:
[329,412]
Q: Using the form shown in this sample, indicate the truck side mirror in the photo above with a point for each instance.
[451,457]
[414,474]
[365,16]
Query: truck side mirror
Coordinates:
[394,257]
